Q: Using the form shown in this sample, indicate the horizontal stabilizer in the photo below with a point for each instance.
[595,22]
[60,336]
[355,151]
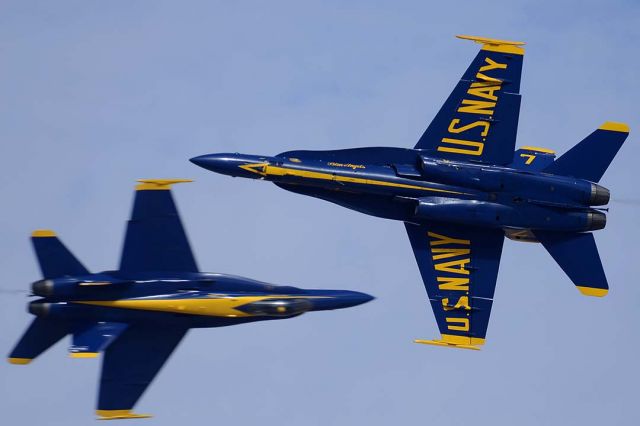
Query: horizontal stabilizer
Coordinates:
[94,338]
[54,258]
[40,336]
[590,158]
[577,255]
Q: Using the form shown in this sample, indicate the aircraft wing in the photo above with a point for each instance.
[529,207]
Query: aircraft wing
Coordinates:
[479,120]
[155,239]
[459,267]
[130,364]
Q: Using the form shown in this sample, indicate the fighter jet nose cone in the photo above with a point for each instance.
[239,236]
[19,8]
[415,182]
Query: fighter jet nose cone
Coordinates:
[232,164]
[353,298]
[324,300]
[201,160]
[360,298]
[219,163]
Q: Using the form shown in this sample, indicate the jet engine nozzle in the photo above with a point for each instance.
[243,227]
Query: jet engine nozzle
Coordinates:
[39,309]
[57,287]
[277,307]
[596,220]
[42,288]
[599,195]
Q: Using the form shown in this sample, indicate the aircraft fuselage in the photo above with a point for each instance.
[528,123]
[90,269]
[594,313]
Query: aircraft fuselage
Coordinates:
[185,299]
[408,185]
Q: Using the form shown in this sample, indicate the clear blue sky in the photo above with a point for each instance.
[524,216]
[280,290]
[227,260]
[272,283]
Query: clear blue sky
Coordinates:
[96,94]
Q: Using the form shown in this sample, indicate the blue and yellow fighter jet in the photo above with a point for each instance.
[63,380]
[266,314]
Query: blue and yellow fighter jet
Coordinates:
[138,314]
[462,188]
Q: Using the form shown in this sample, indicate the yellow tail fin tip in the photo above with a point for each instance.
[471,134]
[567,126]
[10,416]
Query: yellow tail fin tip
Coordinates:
[590,291]
[159,184]
[538,149]
[19,361]
[43,233]
[615,127]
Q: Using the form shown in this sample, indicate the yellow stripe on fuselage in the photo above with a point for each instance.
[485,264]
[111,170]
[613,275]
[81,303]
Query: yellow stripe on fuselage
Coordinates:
[213,307]
[264,169]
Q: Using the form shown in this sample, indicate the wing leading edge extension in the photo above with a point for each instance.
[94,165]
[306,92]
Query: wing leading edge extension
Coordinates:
[479,120]
[155,240]
[459,267]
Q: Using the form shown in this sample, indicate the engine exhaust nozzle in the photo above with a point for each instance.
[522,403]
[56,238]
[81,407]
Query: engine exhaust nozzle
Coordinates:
[596,220]
[42,288]
[599,195]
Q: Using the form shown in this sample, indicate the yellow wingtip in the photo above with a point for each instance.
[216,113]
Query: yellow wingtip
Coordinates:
[158,184]
[83,354]
[495,45]
[43,233]
[615,127]
[120,414]
[19,361]
[446,344]
[596,292]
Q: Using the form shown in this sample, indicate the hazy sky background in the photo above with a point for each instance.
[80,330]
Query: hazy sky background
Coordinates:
[96,94]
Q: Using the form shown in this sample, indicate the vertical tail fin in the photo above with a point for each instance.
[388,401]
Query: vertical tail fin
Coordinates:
[577,255]
[54,258]
[590,158]
[40,336]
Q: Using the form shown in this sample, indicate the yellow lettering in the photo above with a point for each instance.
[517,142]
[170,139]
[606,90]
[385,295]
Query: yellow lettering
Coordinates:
[477,150]
[443,239]
[462,324]
[448,252]
[483,77]
[462,303]
[492,65]
[455,121]
[477,107]
[529,157]
[454,266]
[453,283]
[482,90]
